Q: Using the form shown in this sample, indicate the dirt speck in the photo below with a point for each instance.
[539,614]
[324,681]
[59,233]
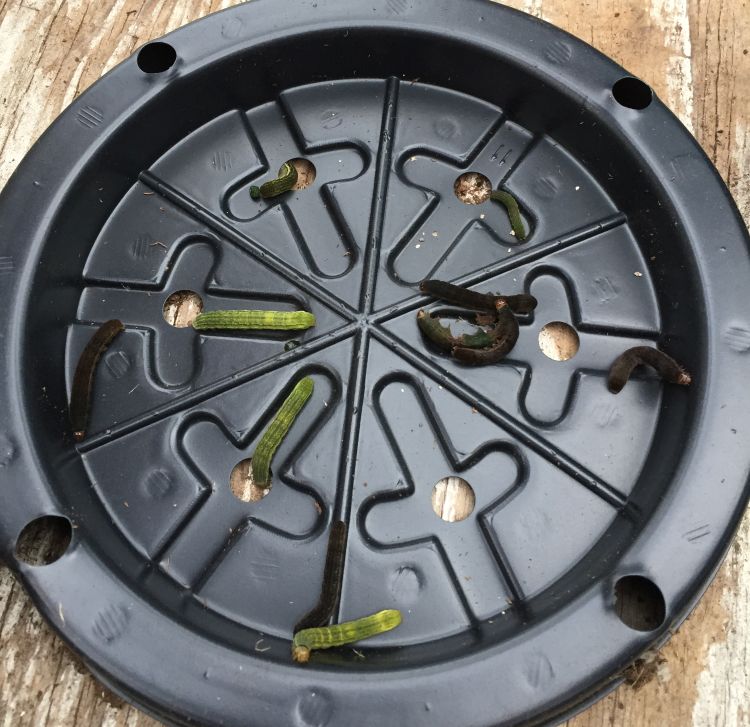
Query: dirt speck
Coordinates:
[644,669]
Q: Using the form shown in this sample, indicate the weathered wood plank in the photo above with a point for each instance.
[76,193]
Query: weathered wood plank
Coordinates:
[694,53]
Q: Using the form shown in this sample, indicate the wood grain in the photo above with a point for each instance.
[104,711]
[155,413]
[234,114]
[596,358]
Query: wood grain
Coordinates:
[694,53]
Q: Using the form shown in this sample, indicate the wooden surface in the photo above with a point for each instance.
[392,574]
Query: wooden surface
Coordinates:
[695,54]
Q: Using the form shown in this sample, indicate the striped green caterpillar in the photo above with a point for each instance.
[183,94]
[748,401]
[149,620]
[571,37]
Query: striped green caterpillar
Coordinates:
[522,303]
[665,366]
[83,380]
[343,633]
[514,214]
[277,430]
[254,320]
[283,183]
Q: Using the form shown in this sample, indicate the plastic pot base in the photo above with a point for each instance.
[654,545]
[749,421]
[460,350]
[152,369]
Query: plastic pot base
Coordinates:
[537,532]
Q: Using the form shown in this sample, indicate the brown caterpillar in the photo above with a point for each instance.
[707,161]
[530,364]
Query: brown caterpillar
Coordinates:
[665,366]
[450,293]
[83,381]
[333,574]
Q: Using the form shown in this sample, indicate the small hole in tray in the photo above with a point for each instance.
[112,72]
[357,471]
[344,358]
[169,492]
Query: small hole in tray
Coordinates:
[156,57]
[559,341]
[306,172]
[639,603]
[241,482]
[472,188]
[44,540]
[182,307]
[632,93]
[453,499]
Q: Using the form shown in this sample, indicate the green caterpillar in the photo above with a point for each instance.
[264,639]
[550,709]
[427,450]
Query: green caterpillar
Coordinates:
[443,337]
[277,430]
[514,214]
[283,183]
[343,633]
[475,348]
[255,320]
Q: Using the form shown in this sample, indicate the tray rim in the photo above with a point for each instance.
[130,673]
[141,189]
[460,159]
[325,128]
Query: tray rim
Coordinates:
[17,211]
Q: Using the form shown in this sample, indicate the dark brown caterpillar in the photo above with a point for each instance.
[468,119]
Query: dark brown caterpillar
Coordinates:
[483,301]
[333,575]
[80,396]
[665,366]
[504,335]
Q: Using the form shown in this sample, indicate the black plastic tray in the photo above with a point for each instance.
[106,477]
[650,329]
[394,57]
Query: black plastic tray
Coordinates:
[182,597]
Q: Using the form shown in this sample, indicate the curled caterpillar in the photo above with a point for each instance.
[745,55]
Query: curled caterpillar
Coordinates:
[665,366]
[80,396]
[343,633]
[442,336]
[333,574]
[450,293]
[504,335]
[255,320]
[478,348]
[283,183]
[277,430]
[514,214]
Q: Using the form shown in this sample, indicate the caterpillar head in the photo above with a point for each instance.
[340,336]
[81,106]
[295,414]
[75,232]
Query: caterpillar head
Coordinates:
[301,654]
